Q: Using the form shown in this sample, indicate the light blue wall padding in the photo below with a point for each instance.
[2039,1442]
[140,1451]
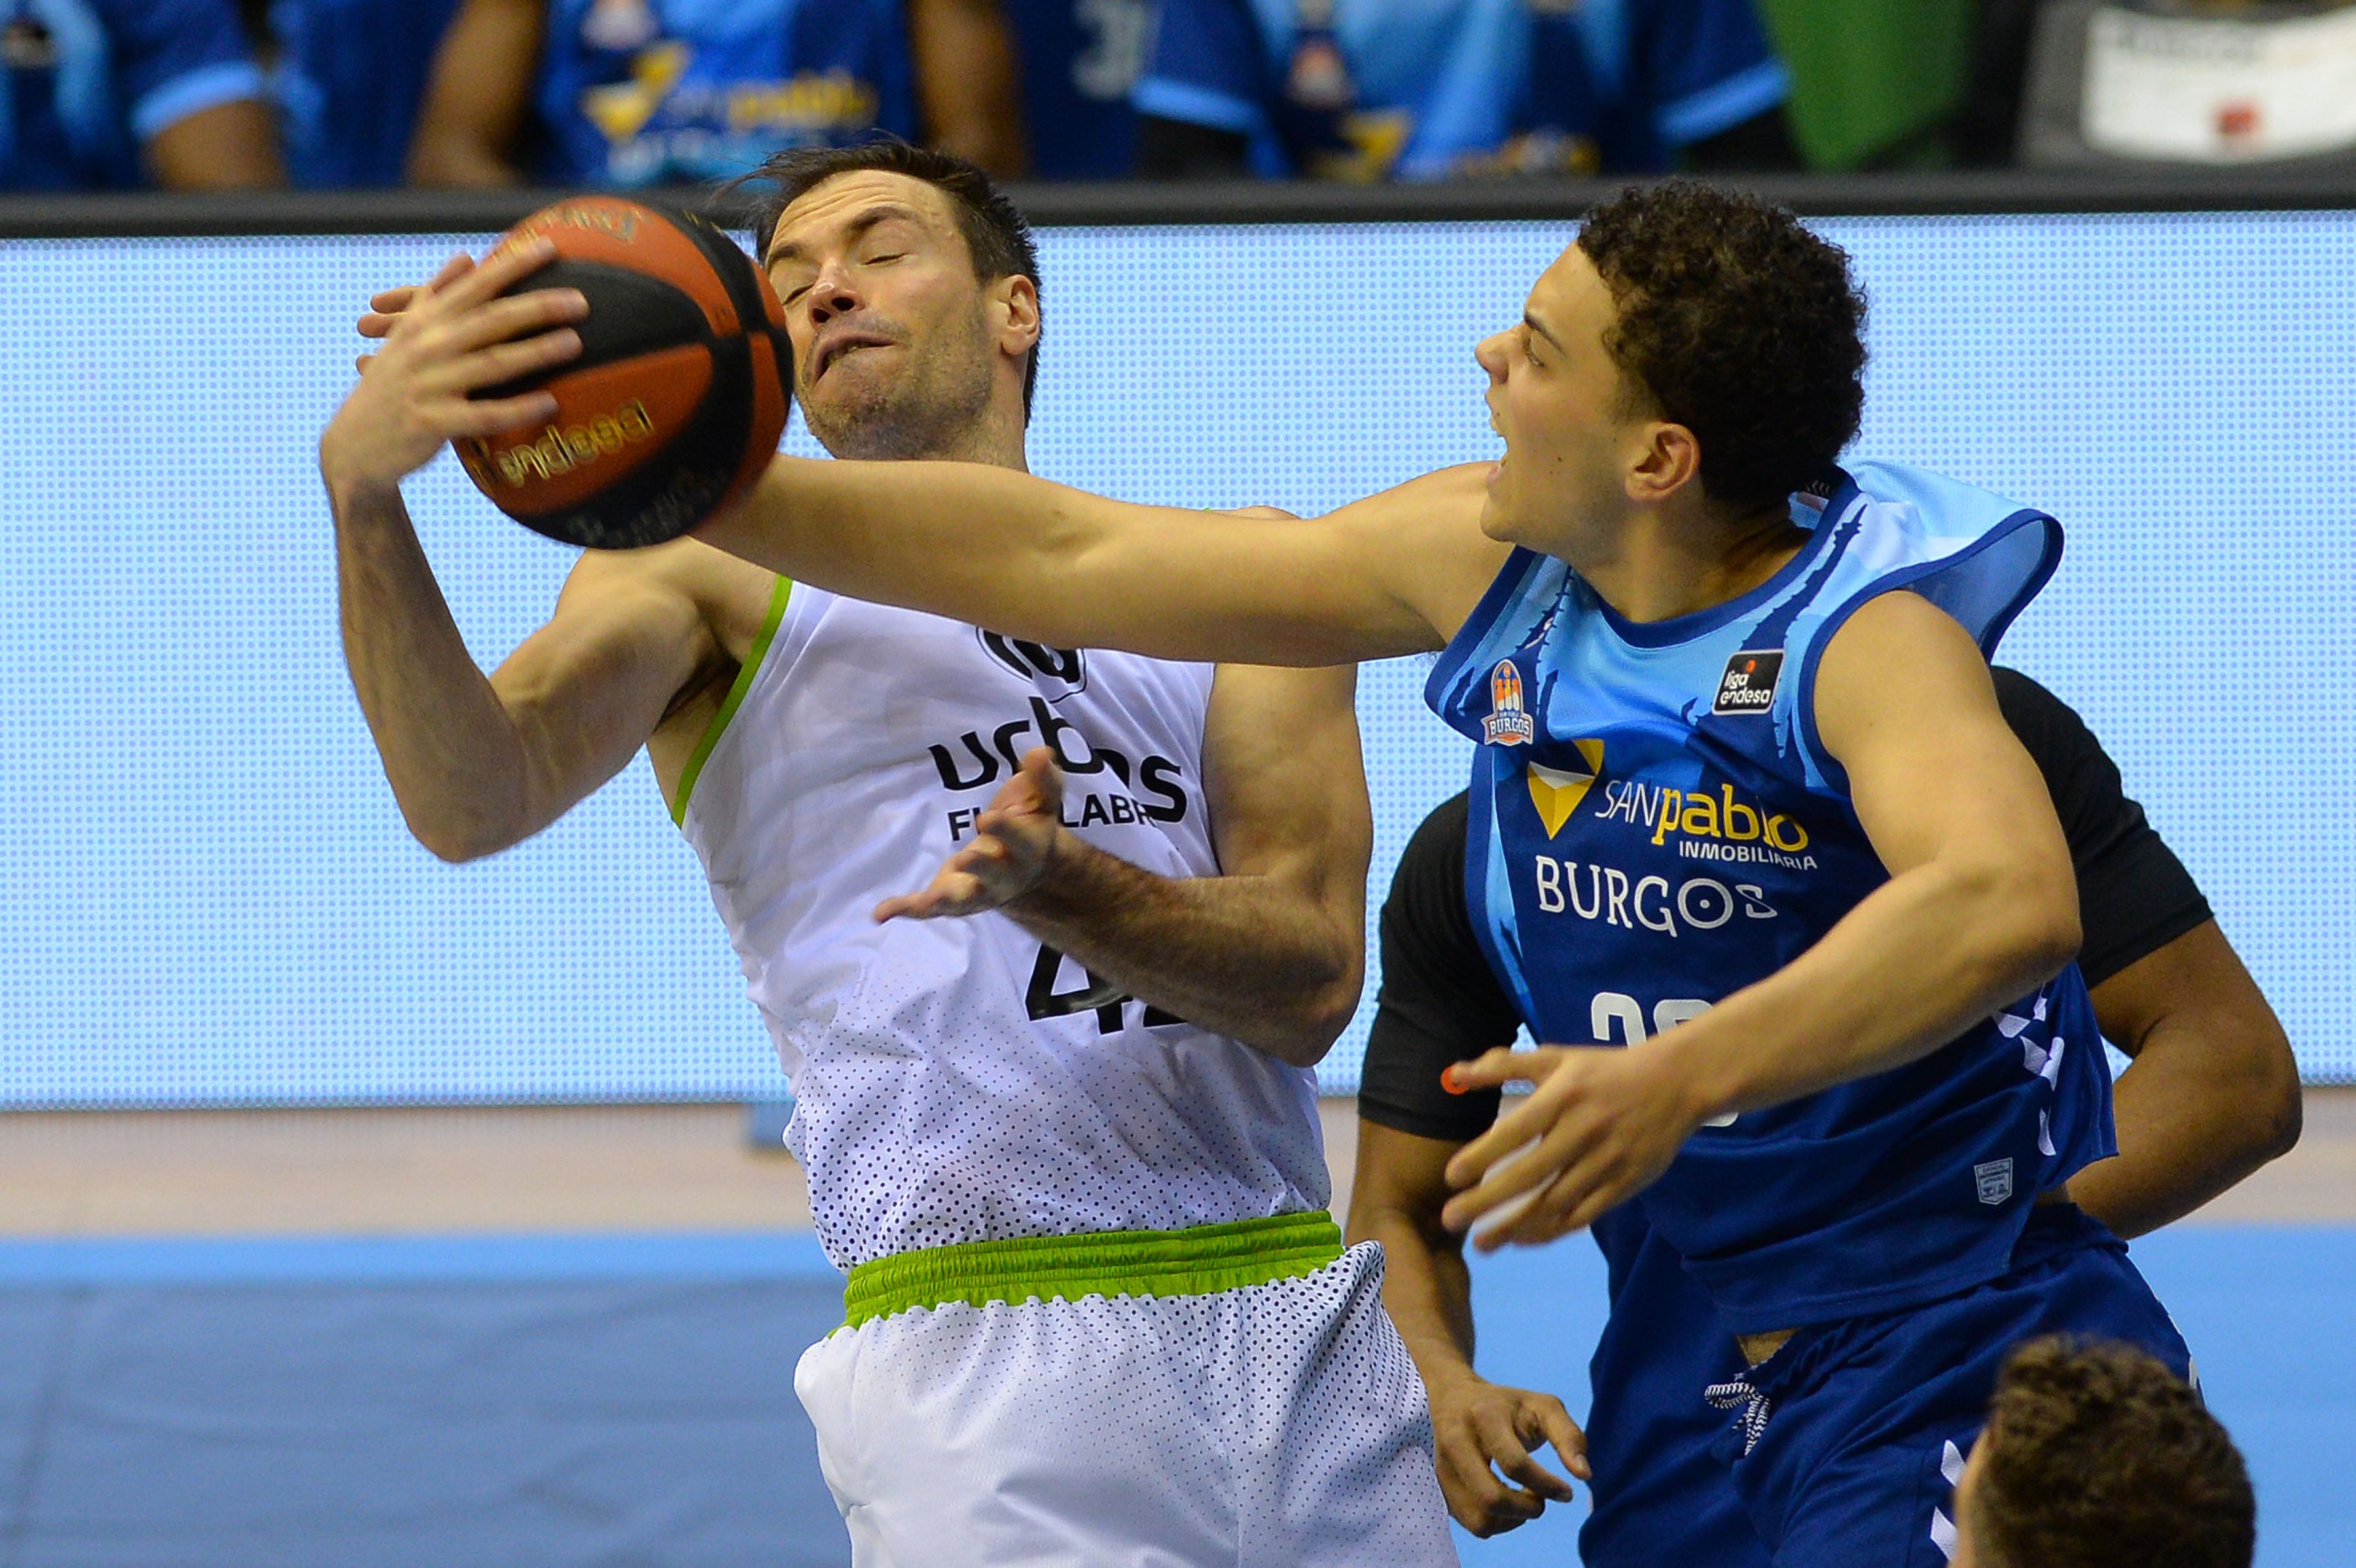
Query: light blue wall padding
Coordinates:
[205,894]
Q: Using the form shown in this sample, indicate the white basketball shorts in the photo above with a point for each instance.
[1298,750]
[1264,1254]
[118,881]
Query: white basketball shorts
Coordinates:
[1119,1399]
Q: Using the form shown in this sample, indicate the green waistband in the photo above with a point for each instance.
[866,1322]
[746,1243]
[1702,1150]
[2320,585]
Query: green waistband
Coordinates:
[1197,1262]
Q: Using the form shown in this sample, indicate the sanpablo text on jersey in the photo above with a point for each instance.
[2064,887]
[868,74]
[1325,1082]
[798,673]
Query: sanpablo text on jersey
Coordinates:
[1709,826]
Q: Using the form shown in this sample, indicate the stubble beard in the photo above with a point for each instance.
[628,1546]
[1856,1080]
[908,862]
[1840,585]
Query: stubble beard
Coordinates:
[933,409]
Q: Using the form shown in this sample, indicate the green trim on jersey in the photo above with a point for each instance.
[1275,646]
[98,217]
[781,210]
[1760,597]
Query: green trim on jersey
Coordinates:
[754,657]
[1201,1261]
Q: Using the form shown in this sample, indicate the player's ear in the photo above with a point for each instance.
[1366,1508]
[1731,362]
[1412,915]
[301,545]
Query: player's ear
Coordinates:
[1666,457]
[1014,305]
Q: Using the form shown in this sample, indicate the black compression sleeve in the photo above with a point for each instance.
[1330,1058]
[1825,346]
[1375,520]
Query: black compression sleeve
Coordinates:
[2134,895]
[1439,1001]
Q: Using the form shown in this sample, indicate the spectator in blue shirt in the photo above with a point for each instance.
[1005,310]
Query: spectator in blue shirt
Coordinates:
[644,93]
[1080,61]
[1371,89]
[109,94]
[349,78]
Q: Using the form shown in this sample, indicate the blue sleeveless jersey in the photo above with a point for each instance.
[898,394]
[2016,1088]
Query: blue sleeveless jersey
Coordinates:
[1655,825]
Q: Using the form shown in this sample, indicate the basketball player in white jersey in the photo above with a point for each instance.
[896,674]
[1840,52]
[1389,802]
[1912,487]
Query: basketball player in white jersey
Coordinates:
[1096,1313]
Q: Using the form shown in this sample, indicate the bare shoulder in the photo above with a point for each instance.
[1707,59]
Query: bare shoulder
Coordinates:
[1425,537]
[1899,663]
[675,584]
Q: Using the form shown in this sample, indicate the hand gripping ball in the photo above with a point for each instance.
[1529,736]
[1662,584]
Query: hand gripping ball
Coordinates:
[678,399]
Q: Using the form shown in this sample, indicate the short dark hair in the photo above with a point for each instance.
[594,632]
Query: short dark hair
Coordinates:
[1743,327]
[996,236]
[2098,1455]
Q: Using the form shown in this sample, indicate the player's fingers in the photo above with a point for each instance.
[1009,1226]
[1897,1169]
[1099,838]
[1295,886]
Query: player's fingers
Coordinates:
[515,317]
[501,362]
[1500,1444]
[456,417]
[1529,1119]
[392,301]
[1047,779]
[1570,1140]
[1487,1070]
[495,274]
[1474,1492]
[1553,1421]
[1520,1464]
[1583,1183]
[459,265]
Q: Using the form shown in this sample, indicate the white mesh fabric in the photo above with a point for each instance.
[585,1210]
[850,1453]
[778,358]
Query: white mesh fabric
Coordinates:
[1278,1424]
[931,1107]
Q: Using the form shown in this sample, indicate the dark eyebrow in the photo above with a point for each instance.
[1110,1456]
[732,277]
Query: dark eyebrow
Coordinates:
[1534,325]
[882,212]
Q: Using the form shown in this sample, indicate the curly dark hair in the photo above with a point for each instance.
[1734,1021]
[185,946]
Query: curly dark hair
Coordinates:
[1745,328]
[996,236]
[2097,1455]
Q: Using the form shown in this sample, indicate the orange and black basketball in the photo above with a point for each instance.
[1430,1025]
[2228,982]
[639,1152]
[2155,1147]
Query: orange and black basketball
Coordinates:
[678,399]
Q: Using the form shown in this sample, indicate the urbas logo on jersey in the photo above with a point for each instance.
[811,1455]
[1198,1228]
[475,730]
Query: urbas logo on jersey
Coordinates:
[1556,792]
[1509,722]
[1748,686]
[1058,672]
[1161,780]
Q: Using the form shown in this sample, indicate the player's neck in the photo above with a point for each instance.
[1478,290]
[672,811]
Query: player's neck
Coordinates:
[1665,563]
[989,440]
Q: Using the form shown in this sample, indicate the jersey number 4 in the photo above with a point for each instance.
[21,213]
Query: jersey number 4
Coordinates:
[1097,995]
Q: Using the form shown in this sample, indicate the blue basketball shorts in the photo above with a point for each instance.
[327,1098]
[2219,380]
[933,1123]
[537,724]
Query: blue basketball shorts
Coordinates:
[1840,1450]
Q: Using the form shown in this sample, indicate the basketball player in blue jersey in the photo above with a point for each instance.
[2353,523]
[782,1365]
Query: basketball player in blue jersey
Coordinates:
[1068,1152]
[2212,1094]
[1741,776]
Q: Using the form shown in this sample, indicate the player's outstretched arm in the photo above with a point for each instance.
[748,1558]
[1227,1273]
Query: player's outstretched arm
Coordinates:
[479,762]
[1980,909]
[1397,572]
[1479,1428]
[1272,952]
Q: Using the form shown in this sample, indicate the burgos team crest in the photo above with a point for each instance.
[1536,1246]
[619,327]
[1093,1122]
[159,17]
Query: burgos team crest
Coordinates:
[1509,722]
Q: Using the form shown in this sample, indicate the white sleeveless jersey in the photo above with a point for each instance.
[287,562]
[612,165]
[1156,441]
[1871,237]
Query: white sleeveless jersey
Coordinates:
[955,1080]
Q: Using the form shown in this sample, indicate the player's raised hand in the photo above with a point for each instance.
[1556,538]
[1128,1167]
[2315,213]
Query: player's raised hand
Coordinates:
[1601,1126]
[445,340]
[385,307]
[1479,1428]
[1014,840]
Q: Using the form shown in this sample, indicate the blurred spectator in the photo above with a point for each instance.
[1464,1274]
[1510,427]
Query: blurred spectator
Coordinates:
[108,94]
[1080,61]
[640,93]
[2118,84]
[1367,89]
[349,77]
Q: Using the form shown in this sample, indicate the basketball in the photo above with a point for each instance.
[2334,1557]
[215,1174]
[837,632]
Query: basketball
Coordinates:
[678,399]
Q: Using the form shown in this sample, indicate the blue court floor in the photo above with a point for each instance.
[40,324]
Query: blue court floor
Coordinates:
[626,1400]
